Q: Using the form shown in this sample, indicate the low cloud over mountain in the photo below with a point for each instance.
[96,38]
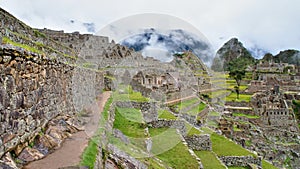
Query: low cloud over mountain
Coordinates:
[163,44]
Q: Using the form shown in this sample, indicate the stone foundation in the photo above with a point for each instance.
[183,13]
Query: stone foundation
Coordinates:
[242,161]
[199,142]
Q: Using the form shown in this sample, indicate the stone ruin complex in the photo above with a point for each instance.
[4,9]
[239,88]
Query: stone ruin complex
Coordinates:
[40,89]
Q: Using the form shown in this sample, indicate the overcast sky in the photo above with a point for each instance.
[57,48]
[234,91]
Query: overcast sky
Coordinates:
[272,25]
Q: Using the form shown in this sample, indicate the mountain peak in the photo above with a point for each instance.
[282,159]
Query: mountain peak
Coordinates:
[230,51]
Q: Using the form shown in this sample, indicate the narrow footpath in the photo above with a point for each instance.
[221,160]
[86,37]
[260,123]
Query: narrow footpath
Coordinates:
[71,149]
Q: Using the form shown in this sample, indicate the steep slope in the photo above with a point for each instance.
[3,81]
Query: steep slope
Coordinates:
[230,51]
[287,56]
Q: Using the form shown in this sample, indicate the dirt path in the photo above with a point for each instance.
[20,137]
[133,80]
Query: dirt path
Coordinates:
[72,148]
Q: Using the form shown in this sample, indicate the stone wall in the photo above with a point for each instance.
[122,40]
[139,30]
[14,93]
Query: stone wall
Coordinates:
[177,124]
[123,159]
[35,89]
[242,161]
[199,142]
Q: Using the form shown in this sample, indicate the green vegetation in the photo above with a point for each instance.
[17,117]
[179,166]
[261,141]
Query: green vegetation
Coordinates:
[175,154]
[186,103]
[223,147]
[266,165]
[165,114]
[129,121]
[191,130]
[197,109]
[39,34]
[296,108]
[218,93]
[129,95]
[206,130]
[242,97]
[89,155]
[234,167]
[131,114]
[209,160]
[26,47]
[106,108]
[245,115]
[213,113]
[237,71]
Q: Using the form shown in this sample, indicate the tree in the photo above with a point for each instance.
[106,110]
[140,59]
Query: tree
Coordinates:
[237,71]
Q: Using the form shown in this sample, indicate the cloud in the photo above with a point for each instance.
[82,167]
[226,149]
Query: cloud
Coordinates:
[270,24]
[162,45]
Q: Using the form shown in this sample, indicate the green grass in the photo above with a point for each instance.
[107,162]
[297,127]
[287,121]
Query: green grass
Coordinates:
[212,123]
[266,165]
[213,113]
[218,93]
[27,47]
[206,130]
[89,155]
[179,157]
[165,114]
[129,95]
[174,153]
[186,103]
[106,108]
[242,97]
[235,167]
[191,130]
[242,87]
[245,115]
[223,147]
[131,114]
[124,123]
[152,163]
[163,139]
[209,160]
[197,109]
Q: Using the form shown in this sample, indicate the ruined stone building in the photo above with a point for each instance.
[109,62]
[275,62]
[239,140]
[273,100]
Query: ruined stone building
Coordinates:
[274,110]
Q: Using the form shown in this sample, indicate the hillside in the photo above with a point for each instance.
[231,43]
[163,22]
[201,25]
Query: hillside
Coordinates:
[159,115]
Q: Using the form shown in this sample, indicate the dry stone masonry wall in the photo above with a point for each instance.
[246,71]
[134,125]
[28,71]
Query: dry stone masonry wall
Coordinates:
[35,89]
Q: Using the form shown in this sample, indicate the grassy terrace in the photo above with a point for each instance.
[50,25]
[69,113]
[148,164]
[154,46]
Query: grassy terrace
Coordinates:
[224,147]
[242,97]
[245,115]
[186,103]
[218,93]
[266,165]
[191,130]
[213,113]
[209,160]
[165,114]
[130,122]
[128,94]
[197,109]
[175,154]
[27,47]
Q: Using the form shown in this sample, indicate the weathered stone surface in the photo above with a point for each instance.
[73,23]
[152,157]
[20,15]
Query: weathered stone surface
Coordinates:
[7,162]
[242,161]
[30,154]
[199,142]
[177,124]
